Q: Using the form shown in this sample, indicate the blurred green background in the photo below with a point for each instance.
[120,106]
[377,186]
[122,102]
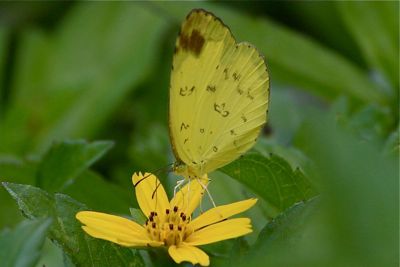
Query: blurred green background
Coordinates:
[328,172]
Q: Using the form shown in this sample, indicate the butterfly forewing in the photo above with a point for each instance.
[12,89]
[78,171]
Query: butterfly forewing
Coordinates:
[218,94]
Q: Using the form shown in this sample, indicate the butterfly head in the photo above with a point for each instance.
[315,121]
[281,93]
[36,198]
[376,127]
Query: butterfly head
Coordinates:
[188,172]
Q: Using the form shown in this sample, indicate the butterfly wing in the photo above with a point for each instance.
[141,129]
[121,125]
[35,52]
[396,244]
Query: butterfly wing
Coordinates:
[219,94]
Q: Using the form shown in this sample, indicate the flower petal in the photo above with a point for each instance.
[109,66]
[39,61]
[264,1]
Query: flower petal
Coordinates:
[221,212]
[188,198]
[188,253]
[123,241]
[220,231]
[114,228]
[148,198]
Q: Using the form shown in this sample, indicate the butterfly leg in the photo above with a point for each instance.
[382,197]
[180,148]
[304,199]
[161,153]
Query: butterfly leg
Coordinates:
[188,194]
[178,185]
[208,192]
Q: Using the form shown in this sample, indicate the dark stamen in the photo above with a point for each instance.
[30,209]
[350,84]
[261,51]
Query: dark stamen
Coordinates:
[153,225]
[171,226]
[175,209]
[184,217]
[167,211]
[181,214]
[179,228]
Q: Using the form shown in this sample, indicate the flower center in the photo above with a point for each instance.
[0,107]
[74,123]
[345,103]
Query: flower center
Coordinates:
[170,228]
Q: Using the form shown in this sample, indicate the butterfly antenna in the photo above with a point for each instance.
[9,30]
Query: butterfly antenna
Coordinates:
[159,183]
[155,190]
[152,172]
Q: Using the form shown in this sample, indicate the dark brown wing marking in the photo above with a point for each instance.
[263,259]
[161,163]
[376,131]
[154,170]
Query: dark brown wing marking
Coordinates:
[193,43]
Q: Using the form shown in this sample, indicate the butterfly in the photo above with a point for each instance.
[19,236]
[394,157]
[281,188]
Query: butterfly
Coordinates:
[219,96]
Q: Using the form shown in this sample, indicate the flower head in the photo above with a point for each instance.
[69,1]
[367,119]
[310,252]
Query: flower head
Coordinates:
[169,223]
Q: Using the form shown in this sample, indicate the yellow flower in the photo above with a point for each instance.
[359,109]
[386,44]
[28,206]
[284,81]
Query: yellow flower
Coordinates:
[169,223]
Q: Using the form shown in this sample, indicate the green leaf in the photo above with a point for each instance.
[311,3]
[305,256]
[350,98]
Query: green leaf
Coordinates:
[239,249]
[392,144]
[16,171]
[52,255]
[4,45]
[22,246]
[292,58]
[150,148]
[89,187]
[282,237]
[66,160]
[69,161]
[295,157]
[360,184]
[369,122]
[32,201]
[137,215]
[372,122]
[79,74]
[271,178]
[329,29]
[286,225]
[374,26]
[66,231]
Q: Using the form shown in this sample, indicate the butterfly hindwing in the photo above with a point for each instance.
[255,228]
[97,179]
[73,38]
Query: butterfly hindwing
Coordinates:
[218,94]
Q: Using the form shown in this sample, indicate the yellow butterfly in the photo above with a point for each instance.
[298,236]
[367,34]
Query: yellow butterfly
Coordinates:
[219,95]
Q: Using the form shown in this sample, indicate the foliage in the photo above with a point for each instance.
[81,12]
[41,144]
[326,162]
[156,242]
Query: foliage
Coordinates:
[22,245]
[271,178]
[83,250]
[325,170]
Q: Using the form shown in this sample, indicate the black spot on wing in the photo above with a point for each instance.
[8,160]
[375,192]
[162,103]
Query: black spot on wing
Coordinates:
[186,91]
[221,109]
[184,126]
[211,88]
